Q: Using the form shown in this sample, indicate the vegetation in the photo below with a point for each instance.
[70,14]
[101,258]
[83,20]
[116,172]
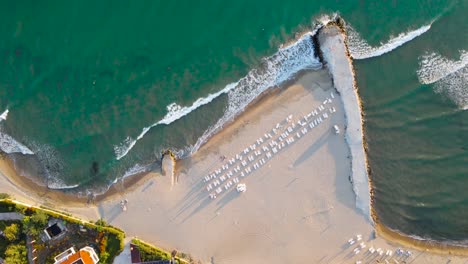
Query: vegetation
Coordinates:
[12,240]
[4,196]
[152,253]
[35,223]
[12,232]
[108,241]
[16,254]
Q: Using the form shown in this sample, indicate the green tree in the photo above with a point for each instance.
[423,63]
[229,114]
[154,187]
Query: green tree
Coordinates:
[16,254]
[40,218]
[12,232]
[34,224]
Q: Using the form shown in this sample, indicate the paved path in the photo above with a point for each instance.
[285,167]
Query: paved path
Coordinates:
[11,216]
[124,257]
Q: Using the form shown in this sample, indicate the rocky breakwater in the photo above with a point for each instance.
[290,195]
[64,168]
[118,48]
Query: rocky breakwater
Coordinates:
[335,56]
[168,164]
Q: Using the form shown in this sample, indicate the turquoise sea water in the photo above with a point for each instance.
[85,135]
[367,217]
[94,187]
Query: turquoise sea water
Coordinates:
[98,89]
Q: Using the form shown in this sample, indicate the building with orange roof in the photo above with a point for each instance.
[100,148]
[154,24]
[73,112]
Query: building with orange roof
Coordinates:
[86,255]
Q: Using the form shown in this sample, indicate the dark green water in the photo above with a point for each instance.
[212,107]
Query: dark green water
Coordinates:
[82,79]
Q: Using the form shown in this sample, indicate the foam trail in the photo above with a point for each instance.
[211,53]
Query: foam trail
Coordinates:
[4,115]
[360,49]
[449,77]
[273,71]
[433,67]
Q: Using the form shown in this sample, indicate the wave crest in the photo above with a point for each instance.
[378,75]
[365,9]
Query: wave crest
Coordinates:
[449,77]
[433,67]
[273,71]
[360,49]
[4,115]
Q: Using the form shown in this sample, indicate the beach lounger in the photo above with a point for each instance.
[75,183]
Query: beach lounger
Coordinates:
[325,115]
[274,150]
[242,174]
[324,102]
[332,95]
[298,135]
[219,190]
[268,155]
[311,125]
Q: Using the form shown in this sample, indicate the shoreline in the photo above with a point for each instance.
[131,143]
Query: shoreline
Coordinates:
[130,184]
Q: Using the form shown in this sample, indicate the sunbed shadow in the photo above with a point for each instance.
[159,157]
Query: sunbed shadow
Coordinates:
[200,207]
[312,149]
[226,199]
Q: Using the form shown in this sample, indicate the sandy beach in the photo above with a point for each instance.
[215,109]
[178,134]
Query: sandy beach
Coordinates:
[299,206]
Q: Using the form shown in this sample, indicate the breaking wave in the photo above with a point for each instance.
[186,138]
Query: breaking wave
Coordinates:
[433,67]
[4,115]
[276,69]
[449,77]
[174,112]
[273,71]
[360,49]
[8,144]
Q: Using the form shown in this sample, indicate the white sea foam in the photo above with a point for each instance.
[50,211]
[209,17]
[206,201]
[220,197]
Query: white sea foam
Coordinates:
[60,185]
[53,165]
[273,71]
[448,76]
[360,49]
[433,67]
[9,145]
[4,115]
[174,112]
[136,169]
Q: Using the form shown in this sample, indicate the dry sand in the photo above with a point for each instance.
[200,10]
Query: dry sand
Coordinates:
[294,203]
[299,207]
